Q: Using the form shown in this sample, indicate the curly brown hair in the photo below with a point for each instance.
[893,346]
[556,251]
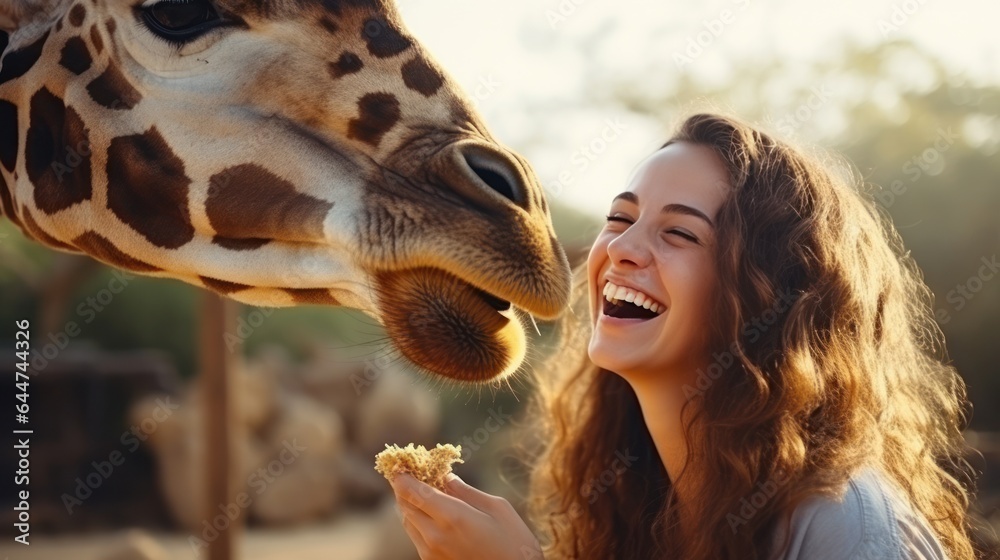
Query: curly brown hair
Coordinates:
[853,372]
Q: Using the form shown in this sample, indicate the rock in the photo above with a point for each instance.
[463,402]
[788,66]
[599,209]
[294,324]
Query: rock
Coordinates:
[300,480]
[333,382]
[178,445]
[362,485]
[301,419]
[298,457]
[305,489]
[151,420]
[258,391]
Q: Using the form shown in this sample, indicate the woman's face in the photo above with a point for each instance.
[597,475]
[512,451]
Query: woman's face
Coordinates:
[658,249]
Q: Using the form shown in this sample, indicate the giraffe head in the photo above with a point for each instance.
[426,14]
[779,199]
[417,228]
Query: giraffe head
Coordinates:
[280,152]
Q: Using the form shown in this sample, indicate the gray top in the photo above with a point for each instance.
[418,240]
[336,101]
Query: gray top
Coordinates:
[873,520]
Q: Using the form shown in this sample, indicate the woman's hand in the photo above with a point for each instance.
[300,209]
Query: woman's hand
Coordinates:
[462,524]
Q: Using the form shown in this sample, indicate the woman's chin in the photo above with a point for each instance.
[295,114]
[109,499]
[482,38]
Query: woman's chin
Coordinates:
[610,356]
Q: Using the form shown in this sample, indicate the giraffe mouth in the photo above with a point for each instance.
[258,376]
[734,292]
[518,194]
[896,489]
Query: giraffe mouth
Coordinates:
[449,327]
[493,301]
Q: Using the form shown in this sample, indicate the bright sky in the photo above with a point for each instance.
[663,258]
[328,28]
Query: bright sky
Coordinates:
[525,62]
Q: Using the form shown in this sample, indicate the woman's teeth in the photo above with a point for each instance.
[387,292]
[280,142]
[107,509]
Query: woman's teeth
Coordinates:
[619,294]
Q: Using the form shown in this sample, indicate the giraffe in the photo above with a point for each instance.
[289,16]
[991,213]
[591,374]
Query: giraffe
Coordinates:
[281,153]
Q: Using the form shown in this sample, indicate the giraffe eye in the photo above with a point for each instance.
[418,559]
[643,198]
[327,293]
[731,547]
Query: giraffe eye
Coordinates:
[181,20]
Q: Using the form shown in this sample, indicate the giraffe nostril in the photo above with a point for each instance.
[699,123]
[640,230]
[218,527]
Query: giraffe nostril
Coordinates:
[485,175]
[495,180]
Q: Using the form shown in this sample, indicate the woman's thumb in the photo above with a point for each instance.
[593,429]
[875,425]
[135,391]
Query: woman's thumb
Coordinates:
[468,494]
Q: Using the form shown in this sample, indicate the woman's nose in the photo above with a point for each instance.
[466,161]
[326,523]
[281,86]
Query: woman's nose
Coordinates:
[629,249]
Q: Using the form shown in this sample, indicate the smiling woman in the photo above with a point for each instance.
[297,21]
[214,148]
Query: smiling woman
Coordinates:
[658,247]
[791,400]
[763,352]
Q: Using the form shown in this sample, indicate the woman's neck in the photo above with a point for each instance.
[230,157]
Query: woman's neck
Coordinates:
[663,399]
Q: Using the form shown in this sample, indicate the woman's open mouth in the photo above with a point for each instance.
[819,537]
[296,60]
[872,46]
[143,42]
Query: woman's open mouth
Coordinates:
[626,303]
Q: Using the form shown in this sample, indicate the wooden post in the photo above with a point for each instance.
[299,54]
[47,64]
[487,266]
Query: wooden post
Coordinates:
[219,409]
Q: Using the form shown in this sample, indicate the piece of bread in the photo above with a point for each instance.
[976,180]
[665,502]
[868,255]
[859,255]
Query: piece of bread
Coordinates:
[430,466]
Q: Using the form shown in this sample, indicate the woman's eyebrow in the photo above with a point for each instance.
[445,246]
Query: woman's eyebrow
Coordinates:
[673,208]
[687,210]
[627,196]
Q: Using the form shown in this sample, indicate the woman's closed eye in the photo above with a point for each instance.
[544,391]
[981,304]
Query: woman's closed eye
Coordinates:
[677,232]
[683,234]
[621,219]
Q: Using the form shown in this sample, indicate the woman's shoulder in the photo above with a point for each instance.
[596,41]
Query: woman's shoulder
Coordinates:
[870,519]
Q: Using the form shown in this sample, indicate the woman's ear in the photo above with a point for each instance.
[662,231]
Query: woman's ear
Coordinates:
[14,13]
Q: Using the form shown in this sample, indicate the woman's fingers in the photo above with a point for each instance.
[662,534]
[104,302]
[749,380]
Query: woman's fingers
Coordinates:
[418,518]
[427,499]
[486,503]
[464,523]
[426,533]
[416,536]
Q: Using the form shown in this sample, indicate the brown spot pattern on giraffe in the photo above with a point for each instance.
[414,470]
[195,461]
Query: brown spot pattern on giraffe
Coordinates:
[77,14]
[113,90]
[34,230]
[148,189]
[236,244]
[314,296]
[75,56]
[8,134]
[222,286]
[95,38]
[249,202]
[57,154]
[348,63]
[17,63]
[419,75]
[328,24]
[378,113]
[8,156]
[104,250]
[383,39]
[339,6]
[7,202]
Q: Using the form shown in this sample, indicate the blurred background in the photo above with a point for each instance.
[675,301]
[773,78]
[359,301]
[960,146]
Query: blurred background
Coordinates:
[908,91]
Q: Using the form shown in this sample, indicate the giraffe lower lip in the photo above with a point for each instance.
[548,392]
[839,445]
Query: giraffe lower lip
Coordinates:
[448,326]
